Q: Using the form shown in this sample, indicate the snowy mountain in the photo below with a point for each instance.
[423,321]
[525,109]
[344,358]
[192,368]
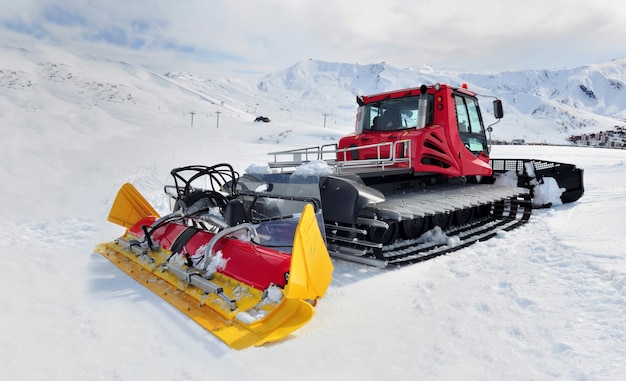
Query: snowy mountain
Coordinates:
[544,106]
[541,106]
[587,99]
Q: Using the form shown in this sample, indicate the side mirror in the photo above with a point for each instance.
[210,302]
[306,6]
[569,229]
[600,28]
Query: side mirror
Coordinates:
[498,111]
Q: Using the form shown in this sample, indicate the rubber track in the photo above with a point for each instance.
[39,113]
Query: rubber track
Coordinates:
[480,231]
[502,218]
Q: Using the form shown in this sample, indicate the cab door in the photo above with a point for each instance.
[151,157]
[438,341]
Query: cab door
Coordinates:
[470,125]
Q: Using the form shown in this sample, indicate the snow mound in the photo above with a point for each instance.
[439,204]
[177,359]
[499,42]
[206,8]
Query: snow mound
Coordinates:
[547,193]
[507,179]
[314,168]
[438,236]
[258,169]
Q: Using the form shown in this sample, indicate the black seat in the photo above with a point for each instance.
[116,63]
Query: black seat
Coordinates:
[390,121]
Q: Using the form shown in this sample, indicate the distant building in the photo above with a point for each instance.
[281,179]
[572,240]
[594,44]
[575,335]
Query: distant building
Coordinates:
[611,139]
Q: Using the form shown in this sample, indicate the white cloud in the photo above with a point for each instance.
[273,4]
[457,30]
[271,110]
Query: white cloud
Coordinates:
[244,35]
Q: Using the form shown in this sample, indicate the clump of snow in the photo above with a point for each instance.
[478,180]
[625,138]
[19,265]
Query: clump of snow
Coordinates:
[530,169]
[199,252]
[274,294]
[547,193]
[253,314]
[258,169]
[246,317]
[180,259]
[314,168]
[438,236]
[241,292]
[508,179]
[218,262]
[453,241]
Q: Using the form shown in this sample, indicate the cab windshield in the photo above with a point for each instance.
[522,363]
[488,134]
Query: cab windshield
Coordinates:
[392,114]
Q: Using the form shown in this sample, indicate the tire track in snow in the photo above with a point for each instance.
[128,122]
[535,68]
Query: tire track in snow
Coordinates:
[543,273]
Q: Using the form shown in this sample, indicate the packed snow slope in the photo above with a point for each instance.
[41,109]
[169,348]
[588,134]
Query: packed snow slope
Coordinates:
[544,302]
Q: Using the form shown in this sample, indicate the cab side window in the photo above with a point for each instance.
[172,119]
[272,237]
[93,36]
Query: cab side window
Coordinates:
[476,126]
[470,124]
[462,117]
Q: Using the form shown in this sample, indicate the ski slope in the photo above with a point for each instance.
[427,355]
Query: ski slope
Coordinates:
[543,302]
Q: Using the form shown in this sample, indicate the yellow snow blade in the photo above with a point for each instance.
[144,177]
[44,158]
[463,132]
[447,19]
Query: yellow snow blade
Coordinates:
[129,207]
[311,269]
[253,321]
[208,310]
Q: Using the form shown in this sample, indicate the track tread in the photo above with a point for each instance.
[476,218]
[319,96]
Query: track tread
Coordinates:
[511,207]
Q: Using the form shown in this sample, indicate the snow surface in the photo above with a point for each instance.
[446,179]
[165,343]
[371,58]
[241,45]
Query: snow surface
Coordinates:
[543,302]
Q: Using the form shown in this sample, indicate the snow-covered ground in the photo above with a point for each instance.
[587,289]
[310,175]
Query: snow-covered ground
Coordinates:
[543,302]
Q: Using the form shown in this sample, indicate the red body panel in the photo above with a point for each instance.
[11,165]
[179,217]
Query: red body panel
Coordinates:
[252,264]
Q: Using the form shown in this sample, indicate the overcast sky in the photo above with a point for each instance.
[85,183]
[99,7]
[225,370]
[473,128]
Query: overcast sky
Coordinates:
[237,38]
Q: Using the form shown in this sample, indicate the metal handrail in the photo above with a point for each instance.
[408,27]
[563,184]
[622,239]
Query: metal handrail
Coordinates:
[301,156]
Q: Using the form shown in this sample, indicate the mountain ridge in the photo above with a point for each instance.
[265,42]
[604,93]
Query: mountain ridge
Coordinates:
[543,106]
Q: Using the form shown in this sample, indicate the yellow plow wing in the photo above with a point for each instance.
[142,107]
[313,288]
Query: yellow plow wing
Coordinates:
[311,268]
[129,207]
